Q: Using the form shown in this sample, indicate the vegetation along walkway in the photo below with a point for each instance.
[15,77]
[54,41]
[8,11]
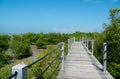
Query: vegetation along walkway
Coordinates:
[80,64]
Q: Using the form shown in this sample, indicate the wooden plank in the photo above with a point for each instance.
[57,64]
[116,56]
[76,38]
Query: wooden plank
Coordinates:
[82,65]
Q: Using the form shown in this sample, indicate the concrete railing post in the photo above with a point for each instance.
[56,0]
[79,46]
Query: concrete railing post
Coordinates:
[87,43]
[92,47]
[62,64]
[83,40]
[68,46]
[21,70]
[74,39]
[104,56]
[11,36]
[70,43]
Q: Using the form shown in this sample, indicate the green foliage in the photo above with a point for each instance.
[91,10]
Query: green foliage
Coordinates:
[20,47]
[98,47]
[4,59]
[54,38]
[114,13]
[5,71]
[4,45]
[4,42]
[39,67]
[32,37]
[78,35]
[111,36]
[114,67]
[41,44]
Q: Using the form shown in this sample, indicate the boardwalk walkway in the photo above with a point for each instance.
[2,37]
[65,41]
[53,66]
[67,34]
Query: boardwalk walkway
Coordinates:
[80,64]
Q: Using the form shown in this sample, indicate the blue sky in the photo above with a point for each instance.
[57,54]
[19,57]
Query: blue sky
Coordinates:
[21,16]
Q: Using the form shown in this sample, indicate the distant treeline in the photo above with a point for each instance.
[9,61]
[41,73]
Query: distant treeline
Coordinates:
[18,45]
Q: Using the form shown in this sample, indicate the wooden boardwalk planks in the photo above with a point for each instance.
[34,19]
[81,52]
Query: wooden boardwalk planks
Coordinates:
[82,65]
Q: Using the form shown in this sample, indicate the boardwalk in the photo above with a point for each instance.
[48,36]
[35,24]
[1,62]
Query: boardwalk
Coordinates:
[82,65]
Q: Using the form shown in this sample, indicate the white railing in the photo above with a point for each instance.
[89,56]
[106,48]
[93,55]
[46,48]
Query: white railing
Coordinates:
[71,41]
[85,43]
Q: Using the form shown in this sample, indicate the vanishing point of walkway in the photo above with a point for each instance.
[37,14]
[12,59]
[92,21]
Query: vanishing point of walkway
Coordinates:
[80,64]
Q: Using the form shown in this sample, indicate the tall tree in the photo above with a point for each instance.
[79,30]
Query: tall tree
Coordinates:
[112,37]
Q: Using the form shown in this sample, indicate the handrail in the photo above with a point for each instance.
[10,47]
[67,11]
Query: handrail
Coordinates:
[54,59]
[48,66]
[44,56]
[57,55]
[55,69]
[85,43]
[70,42]
[13,75]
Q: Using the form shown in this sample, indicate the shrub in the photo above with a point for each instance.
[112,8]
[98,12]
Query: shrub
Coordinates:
[41,44]
[4,59]
[20,49]
[4,42]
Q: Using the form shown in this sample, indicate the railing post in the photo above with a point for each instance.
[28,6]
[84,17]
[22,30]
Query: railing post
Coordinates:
[82,40]
[104,56]
[21,70]
[87,43]
[70,43]
[11,37]
[68,46]
[74,39]
[62,56]
[92,47]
